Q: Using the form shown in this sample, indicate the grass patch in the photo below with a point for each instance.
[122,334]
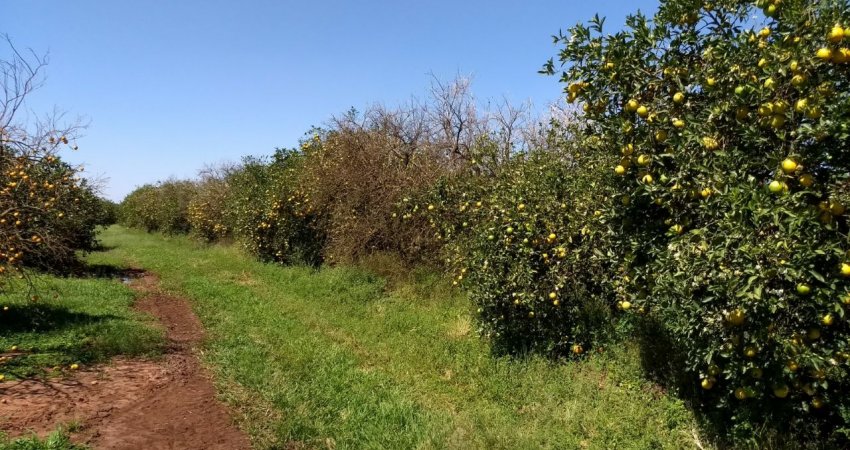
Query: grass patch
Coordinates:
[58,440]
[332,358]
[75,320]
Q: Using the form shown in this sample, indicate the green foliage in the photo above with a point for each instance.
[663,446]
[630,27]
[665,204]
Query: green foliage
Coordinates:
[48,212]
[58,440]
[271,215]
[208,210]
[163,207]
[305,355]
[728,138]
[523,239]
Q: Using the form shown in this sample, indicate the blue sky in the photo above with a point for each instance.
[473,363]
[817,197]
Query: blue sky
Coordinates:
[168,86]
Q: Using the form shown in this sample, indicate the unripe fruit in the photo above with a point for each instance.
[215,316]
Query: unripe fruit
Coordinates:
[807,180]
[769,83]
[781,391]
[803,289]
[678,98]
[824,54]
[789,165]
[828,319]
[836,34]
[775,186]
[619,170]
[836,208]
[707,383]
[578,349]
[642,111]
[736,317]
[814,113]
[813,334]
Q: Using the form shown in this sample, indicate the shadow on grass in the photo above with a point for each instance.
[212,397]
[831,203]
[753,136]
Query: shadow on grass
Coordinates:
[108,271]
[55,336]
[100,247]
[41,318]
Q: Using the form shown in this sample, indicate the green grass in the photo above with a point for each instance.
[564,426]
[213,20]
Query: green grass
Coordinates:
[58,440]
[75,320]
[329,358]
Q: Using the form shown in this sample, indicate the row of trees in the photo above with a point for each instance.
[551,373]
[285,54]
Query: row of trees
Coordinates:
[698,202]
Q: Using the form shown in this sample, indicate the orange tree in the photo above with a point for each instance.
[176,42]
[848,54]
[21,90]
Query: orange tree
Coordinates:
[728,136]
[271,215]
[524,238]
[47,212]
[208,216]
[162,207]
[138,208]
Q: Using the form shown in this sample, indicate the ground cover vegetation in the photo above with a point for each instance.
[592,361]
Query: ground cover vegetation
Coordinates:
[340,357]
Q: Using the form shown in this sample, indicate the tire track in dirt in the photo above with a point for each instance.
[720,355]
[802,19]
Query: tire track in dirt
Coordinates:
[132,404]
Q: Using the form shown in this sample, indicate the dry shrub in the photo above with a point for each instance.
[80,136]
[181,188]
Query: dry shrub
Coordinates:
[356,177]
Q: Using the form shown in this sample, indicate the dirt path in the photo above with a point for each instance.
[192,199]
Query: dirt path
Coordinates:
[132,404]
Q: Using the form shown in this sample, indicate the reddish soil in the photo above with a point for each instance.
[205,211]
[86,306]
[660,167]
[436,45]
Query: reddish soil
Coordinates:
[132,404]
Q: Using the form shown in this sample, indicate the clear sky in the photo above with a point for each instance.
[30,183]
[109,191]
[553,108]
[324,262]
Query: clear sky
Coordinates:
[170,85]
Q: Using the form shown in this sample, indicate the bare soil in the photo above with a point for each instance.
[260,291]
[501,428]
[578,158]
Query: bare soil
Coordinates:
[132,404]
